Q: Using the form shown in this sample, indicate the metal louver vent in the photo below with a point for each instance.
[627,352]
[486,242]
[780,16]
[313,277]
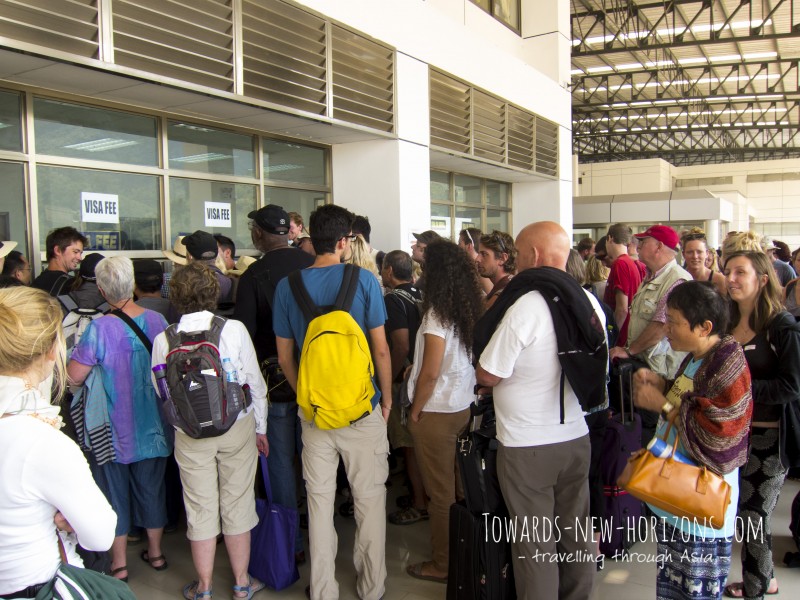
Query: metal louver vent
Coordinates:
[284,55]
[489,126]
[64,25]
[450,113]
[546,147]
[192,41]
[520,138]
[363,80]
[470,121]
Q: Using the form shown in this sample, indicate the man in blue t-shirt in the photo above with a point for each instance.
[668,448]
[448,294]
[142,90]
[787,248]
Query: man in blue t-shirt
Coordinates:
[362,446]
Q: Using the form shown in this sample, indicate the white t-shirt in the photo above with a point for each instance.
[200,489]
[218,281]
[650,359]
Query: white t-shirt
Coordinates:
[524,353]
[454,390]
[234,343]
[43,471]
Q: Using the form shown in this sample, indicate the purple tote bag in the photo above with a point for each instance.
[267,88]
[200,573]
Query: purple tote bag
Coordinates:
[272,540]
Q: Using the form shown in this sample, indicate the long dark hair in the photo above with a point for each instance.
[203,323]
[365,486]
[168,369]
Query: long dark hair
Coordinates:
[452,289]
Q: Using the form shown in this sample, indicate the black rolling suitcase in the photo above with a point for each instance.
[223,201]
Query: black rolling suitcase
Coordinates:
[476,458]
[622,438]
[478,569]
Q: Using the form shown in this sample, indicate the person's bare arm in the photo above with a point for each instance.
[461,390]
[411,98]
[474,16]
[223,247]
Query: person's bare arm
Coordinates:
[286,360]
[621,308]
[485,378]
[383,367]
[399,351]
[77,372]
[429,372]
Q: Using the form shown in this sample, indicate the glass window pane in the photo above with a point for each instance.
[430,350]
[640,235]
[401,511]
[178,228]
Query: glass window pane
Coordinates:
[287,161]
[497,193]
[468,217]
[10,121]
[213,206]
[499,220]
[13,221]
[87,132]
[507,11]
[484,4]
[302,202]
[440,220]
[468,189]
[133,201]
[208,150]
[440,186]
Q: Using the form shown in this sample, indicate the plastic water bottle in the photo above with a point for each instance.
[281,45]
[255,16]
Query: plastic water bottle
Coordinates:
[160,371]
[233,392]
[661,449]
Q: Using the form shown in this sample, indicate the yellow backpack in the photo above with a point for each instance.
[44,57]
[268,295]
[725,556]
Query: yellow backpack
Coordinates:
[335,380]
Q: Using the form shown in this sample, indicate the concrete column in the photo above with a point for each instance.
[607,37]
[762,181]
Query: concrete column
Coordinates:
[711,228]
[388,181]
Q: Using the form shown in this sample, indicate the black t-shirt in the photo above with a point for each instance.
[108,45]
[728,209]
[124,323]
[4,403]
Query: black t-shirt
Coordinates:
[52,282]
[258,282]
[403,314]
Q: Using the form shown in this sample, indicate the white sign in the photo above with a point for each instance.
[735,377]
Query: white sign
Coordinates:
[99,208]
[218,214]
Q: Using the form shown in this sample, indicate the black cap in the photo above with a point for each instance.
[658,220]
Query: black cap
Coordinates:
[88,264]
[201,245]
[146,270]
[271,218]
[426,237]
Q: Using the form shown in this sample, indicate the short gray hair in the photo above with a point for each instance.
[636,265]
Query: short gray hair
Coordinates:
[115,278]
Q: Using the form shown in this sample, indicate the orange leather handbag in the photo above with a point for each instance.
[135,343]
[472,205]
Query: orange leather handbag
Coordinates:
[684,490]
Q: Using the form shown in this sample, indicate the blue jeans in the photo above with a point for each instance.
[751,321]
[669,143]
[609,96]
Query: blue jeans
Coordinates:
[283,433]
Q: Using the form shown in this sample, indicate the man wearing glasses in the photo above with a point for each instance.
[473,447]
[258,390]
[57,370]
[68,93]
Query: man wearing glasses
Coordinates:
[496,262]
[363,445]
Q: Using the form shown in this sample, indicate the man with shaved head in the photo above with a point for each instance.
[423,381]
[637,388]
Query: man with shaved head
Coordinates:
[544,454]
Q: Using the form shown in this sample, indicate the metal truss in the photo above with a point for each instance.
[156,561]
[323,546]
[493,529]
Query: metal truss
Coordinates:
[648,80]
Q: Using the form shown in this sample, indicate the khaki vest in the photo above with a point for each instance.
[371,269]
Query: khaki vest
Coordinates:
[660,357]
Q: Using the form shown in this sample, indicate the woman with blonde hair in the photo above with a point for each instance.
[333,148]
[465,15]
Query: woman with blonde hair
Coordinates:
[770,338]
[597,276]
[743,241]
[46,483]
[361,257]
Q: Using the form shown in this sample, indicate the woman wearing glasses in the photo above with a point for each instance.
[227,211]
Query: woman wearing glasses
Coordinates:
[695,256]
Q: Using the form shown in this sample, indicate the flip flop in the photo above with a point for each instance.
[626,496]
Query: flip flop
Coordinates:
[190,592]
[416,572]
[736,590]
[249,589]
[145,556]
[120,570]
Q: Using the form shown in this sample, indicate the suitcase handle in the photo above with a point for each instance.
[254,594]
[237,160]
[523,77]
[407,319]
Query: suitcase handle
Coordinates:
[625,369]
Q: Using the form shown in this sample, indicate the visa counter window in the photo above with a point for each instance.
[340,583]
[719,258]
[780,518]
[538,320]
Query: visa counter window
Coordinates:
[101,203]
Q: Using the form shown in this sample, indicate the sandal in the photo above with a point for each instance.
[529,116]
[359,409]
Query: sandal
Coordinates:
[408,516]
[190,592]
[120,570]
[145,556]
[249,589]
[736,590]
[416,572]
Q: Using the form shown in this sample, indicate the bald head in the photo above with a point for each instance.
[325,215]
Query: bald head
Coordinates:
[542,244]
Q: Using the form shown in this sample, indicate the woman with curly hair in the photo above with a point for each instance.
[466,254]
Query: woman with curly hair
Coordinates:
[441,386]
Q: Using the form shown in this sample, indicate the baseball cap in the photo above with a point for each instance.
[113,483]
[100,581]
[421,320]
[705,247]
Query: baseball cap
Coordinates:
[271,218]
[147,270]
[426,237]
[88,264]
[767,244]
[663,233]
[201,245]
[6,247]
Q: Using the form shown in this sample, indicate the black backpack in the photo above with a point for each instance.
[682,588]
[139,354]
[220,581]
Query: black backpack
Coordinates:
[203,403]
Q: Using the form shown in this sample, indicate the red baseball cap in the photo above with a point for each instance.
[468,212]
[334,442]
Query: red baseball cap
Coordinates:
[663,233]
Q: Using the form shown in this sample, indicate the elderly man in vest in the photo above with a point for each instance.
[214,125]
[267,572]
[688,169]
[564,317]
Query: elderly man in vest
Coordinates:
[646,327]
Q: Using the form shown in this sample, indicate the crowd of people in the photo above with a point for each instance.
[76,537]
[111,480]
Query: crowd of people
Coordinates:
[713,338]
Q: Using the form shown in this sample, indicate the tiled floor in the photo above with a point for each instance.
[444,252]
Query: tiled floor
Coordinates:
[618,581]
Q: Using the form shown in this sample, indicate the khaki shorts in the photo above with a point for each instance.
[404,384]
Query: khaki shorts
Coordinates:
[399,436]
[217,475]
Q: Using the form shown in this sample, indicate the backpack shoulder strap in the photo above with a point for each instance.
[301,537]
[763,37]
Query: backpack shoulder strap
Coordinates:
[215,331]
[310,310]
[344,301]
[67,301]
[173,337]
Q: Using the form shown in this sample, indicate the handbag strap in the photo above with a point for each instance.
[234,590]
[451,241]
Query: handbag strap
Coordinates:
[265,476]
[670,423]
[135,328]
